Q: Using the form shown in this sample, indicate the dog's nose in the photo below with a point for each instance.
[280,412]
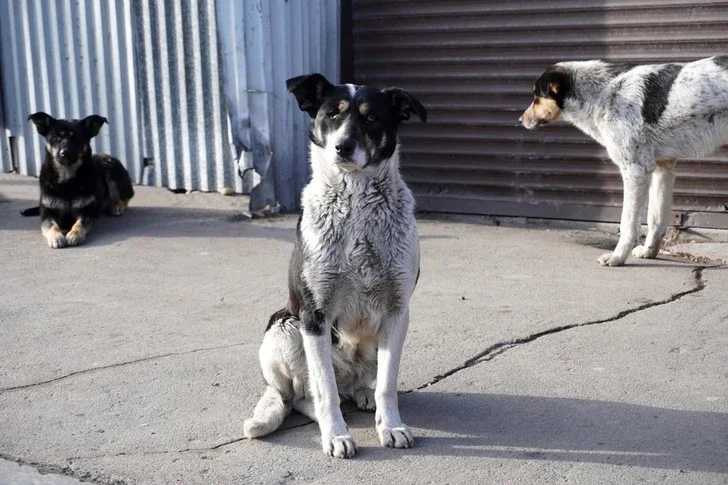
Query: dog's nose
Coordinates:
[346,148]
[520,119]
[62,153]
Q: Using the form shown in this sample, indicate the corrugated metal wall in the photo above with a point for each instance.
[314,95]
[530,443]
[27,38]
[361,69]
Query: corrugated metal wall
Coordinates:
[186,135]
[70,59]
[473,64]
[263,44]
[6,162]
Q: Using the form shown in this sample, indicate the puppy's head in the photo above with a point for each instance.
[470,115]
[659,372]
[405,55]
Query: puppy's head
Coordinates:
[67,140]
[356,126]
[549,93]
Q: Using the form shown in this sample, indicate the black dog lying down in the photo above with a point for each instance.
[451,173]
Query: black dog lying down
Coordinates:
[75,186]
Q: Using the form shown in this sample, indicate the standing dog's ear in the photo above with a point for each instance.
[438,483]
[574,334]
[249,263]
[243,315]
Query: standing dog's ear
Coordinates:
[93,124]
[310,91]
[404,103]
[42,121]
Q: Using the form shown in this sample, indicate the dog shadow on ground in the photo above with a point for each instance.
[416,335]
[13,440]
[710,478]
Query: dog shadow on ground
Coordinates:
[556,429]
[169,222]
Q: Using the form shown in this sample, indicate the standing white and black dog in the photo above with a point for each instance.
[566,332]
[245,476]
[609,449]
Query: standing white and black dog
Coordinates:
[354,267]
[647,117]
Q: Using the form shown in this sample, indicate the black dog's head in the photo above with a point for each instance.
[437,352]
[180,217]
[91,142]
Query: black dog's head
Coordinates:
[355,126]
[549,93]
[67,141]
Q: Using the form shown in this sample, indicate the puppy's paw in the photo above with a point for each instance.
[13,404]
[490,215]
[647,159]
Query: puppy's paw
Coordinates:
[365,400]
[343,446]
[645,252]
[609,259]
[74,238]
[397,437]
[57,241]
[117,208]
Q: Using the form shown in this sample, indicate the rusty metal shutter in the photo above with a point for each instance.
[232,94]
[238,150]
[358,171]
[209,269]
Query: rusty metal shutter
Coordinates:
[473,64]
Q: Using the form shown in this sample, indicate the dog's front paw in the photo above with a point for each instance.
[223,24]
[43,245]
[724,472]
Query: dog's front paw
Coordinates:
[74,238]
[343,446]
[57,241]
[645,252]
[365,400]
[609,259]
[397,437]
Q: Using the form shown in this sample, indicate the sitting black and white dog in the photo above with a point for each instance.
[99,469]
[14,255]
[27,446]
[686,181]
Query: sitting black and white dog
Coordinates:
[354,267]
[646,117]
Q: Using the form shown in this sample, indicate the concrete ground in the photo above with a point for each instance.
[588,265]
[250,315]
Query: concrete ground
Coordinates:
[133,359]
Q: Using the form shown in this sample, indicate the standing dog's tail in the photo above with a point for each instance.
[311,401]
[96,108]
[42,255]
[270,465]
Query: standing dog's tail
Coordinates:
[268,416]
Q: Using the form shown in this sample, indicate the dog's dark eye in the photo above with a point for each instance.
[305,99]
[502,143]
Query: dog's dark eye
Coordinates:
[371,119]
[334,114]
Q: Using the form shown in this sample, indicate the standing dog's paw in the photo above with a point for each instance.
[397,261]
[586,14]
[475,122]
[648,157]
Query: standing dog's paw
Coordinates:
[339,446]
[57,241]
[608,259]
[397,437]
[365,400]
[645,252]
[74,238]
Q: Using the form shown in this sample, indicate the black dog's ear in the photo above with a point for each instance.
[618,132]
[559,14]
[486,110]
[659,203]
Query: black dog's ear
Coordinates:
[93,124]
[310,91]
[404,104]
[42,121]
[554,83]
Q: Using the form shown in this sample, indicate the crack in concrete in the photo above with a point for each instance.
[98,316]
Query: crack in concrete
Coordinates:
[85,477]
[119,364]
[499,348]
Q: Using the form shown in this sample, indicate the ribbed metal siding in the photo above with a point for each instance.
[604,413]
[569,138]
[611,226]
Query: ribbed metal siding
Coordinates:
[473,64]
[186,137]
[69,59]
[263,44]
[6,162]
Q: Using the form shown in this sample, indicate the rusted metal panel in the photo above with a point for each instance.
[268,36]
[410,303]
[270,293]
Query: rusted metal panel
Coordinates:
[473,63]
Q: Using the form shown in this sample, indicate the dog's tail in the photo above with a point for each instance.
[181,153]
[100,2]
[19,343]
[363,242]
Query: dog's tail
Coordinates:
[32,211]
[268,416]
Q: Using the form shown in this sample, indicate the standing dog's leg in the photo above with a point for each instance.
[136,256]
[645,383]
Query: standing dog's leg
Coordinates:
[663,181]
[392,432]
[636,184]
[335,438]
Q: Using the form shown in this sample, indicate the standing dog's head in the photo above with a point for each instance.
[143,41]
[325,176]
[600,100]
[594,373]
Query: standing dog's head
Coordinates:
[355,126]
[549,93]
[67,141]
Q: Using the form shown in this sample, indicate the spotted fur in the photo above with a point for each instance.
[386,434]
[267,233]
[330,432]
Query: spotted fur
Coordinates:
[647,117]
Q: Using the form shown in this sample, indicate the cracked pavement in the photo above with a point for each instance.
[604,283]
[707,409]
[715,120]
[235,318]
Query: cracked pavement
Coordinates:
[133,359]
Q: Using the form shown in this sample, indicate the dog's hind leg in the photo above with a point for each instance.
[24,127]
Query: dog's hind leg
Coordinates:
[118,182]
[658,217]
[280,353]
[636,185]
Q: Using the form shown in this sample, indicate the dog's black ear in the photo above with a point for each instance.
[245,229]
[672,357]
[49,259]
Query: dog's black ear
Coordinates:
[93,124]
[42,121]
[404,104]
[310,91]
[554,83]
